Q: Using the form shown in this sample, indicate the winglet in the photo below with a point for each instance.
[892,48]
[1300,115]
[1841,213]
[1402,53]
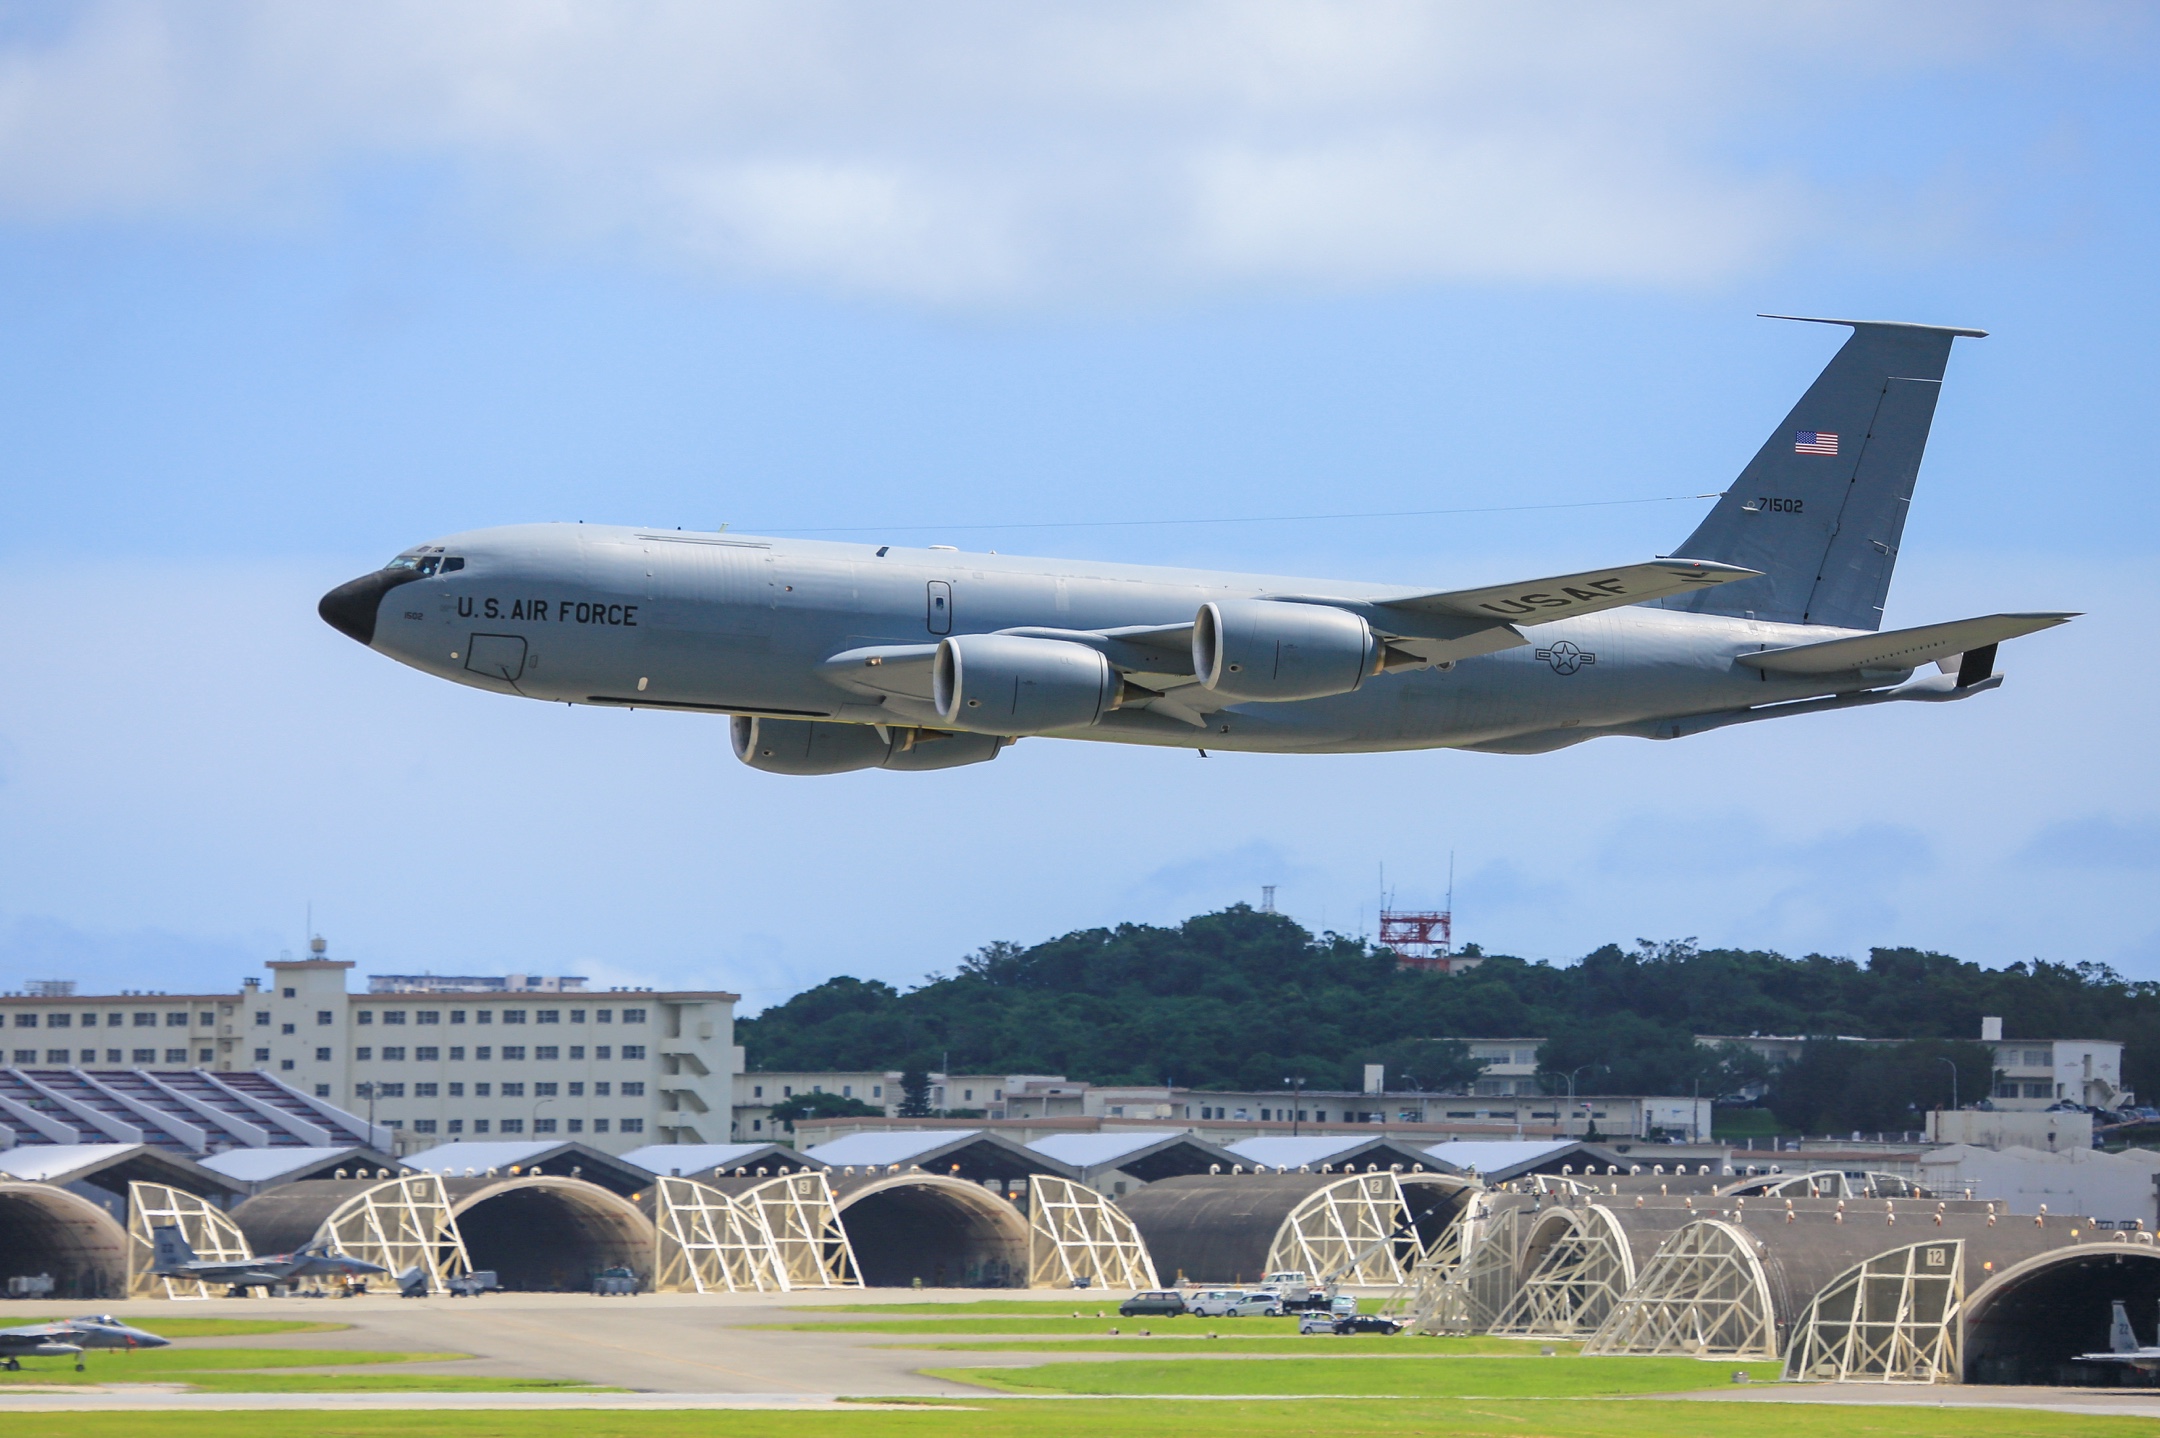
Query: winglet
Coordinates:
[1880,324]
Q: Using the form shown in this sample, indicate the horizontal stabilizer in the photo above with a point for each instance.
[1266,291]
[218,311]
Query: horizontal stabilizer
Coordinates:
[1539,601]
[1901,648]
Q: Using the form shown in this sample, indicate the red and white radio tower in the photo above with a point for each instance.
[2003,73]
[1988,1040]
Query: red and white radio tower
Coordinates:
[1424,938]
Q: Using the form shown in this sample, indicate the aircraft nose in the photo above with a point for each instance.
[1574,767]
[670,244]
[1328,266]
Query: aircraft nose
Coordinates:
[350,608]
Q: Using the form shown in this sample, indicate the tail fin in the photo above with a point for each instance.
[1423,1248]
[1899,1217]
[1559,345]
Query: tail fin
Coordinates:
[2122,1338]
[1821,508]
[169,1249]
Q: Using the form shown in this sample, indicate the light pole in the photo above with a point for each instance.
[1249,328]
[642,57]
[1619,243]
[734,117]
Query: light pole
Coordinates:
[1571,1093]
[536,1111]
[367,1091]
[1953,1082]
[1297,1098]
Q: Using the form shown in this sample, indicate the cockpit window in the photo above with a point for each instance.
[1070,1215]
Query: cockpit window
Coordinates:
[426,564]
[452,564]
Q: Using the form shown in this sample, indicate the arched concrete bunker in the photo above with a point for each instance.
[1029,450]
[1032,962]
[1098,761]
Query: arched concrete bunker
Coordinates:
[2028,1322]
[47,1230]
[945,1231]
[543,1233]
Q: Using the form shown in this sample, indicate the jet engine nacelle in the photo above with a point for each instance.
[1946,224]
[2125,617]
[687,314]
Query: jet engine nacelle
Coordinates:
[1010,684]
[1265,649]
[803,746]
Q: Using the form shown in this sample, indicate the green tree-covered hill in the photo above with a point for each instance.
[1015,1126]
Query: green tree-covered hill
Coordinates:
[1243,999]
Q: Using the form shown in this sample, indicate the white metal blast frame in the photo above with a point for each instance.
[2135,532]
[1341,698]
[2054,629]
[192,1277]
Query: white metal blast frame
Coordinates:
[1576,1281]
[1338,1230]
[804,1225]
[401,1223]
[207,1230]
[709,1242]
[1897,1317]
[1432,1300]
[1703,1293]
[1075,1232]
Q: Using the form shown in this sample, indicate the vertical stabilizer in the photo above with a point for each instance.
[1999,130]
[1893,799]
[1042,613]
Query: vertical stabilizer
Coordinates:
[170,1250]
[2122,1338]
[1821,508]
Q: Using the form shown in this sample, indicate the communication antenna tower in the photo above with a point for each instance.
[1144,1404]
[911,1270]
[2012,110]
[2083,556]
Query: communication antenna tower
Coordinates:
[1421,938]
[1267,898]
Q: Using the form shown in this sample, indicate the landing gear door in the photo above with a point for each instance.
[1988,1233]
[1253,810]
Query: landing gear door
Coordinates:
[940,610]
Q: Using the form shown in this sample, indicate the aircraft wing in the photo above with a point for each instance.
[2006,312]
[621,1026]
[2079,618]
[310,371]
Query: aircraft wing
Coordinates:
[247,1275]
[1564,596]
[1902,648]
[41,1340]
[1429,628]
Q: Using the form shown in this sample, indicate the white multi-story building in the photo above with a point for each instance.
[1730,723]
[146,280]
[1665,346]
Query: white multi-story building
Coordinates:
[2033,1073]
[979,1095]
[1510,1066]
[616,1069]
[2030,1074]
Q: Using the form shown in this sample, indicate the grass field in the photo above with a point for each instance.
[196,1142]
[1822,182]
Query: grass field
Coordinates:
[257,1370]
[1048,1324]
[1481,1377]
[1061,1308]
[1018,1418]
[1238,1345]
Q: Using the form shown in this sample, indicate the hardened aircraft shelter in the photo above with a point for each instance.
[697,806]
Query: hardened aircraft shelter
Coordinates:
[942,1206]
[1805,1268]
[1369,1227]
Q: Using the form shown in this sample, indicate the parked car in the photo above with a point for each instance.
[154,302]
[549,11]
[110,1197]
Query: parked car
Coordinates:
[1342,1317]
[1235,1303]
[1157,1304]
[1297,1290]
[1213,1302]
[615,1283]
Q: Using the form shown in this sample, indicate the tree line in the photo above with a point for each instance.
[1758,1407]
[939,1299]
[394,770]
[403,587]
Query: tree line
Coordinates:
[1245,1000]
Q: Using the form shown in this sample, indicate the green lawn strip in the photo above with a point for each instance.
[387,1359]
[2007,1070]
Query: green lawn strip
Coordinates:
[1193,1327]
[1038,1307]
[165,1327]
[1556,1377]
[1017,1418]
[382,1383]
[180,1365]
[1236,1345]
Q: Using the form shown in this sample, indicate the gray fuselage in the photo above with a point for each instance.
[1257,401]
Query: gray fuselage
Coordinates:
[597,614]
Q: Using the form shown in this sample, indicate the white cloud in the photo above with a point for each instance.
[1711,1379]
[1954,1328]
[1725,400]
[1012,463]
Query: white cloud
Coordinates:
[987,153]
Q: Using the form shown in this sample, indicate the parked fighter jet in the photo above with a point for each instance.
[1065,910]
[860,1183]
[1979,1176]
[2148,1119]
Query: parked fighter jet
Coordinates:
[2123,1346]
[173,1257]
[71,1336]
[833,657]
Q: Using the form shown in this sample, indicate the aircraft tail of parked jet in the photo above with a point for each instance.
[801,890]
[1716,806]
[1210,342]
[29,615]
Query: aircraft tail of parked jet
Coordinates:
[170,1250]
[1821,508]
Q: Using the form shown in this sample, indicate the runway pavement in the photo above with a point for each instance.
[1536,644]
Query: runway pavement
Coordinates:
[653,1342]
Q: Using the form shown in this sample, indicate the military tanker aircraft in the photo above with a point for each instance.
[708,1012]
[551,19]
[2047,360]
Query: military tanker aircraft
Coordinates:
[833,657]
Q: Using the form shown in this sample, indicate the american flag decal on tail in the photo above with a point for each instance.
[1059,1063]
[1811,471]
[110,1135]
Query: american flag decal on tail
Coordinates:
[1814,442]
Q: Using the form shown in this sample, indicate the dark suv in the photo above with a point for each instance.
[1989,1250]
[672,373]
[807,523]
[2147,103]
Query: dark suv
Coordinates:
[1157,1304]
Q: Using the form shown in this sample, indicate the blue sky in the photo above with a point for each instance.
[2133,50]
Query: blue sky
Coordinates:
[284,289]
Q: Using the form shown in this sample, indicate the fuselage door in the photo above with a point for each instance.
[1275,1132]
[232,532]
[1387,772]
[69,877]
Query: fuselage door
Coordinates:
[498,656]
[940,613]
